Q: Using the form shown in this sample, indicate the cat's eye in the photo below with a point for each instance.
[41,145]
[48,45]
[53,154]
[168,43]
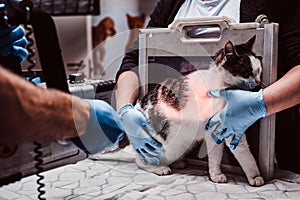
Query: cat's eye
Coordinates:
[228,56]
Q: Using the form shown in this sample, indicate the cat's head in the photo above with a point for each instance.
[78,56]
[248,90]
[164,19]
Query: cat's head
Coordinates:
[135,22]
[239,65]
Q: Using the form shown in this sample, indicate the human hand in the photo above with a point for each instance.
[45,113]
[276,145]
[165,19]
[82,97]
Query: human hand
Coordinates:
[137,128]
[242,109]
[104,128]
[13,42]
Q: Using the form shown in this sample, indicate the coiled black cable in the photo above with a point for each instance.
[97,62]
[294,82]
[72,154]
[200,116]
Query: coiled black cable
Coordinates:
[32,63]
[38,166]
[31,51]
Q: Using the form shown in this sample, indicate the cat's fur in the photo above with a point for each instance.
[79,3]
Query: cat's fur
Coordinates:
[178,110]
[134,23]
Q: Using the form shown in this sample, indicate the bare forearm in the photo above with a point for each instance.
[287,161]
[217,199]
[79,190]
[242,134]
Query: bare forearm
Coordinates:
[284,93]
[128,84]
[30,113]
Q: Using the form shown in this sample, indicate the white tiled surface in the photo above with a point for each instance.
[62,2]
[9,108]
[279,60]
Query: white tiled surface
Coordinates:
[115,176]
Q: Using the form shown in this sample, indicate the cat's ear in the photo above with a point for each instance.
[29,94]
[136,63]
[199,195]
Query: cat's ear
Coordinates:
[229,49]
[249,44]
[128,16]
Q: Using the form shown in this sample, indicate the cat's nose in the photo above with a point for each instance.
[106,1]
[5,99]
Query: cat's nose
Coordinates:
[257,81]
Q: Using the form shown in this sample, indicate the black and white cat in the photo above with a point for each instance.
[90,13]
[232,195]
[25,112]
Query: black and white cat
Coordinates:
[178,110]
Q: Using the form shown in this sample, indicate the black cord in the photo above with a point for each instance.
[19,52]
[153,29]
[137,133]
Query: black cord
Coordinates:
[38,165]
[31,52]
[38,147]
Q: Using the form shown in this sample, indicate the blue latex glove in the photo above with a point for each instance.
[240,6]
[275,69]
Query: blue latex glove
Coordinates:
[137,128]
[104,129]
[13,42]
[242,109]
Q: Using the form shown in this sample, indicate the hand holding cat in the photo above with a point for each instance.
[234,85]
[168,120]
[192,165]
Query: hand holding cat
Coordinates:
[137,129]
[242,109]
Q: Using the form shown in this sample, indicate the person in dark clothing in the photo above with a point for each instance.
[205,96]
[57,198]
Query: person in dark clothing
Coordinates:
[285,105]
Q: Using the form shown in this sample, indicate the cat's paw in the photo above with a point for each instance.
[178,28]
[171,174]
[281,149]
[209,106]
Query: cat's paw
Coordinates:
[159,170]
[179,164]
[113,149]
[219,178]
[164,170]
[257,181]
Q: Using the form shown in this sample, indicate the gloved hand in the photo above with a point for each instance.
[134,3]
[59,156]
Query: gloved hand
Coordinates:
[242,109]
[104,128]
[137,129]
[13,42]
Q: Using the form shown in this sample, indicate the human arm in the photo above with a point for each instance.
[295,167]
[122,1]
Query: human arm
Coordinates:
[127,84]
[283,93]
[127,93]
[133,121]
[243,108]
[135,124]
[30,113]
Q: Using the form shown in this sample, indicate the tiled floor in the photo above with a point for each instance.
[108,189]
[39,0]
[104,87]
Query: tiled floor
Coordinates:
[115,176]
